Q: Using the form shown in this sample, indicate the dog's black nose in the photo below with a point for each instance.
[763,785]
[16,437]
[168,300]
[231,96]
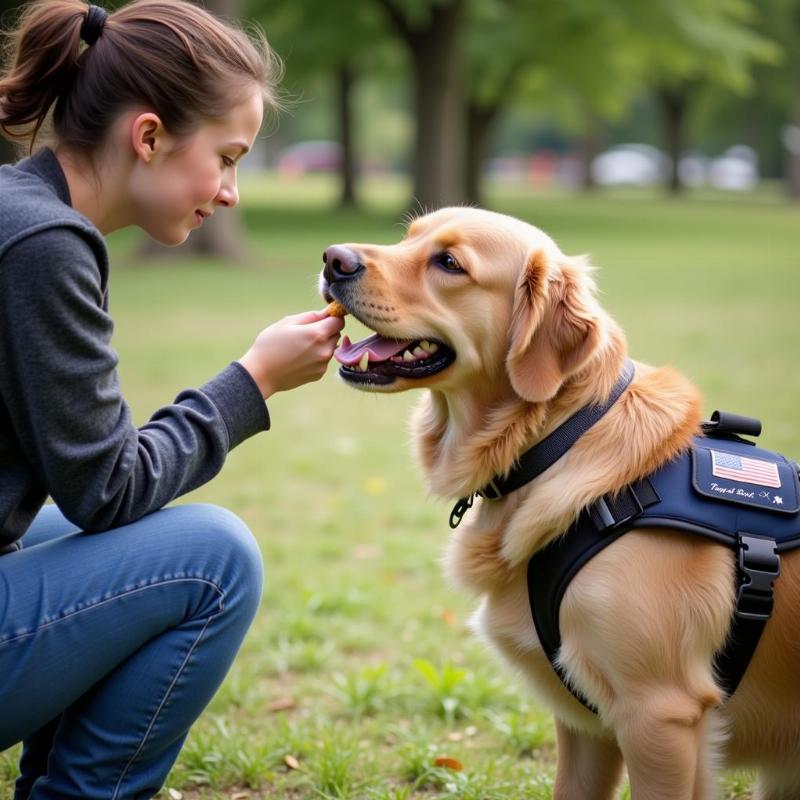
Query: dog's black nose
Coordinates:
[341,263]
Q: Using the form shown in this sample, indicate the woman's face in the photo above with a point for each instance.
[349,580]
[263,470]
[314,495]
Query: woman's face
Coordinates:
[194,176]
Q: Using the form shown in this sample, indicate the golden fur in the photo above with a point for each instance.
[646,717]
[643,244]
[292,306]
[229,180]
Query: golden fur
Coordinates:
[641,622]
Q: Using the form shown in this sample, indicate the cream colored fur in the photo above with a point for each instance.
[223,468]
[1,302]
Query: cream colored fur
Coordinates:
[641,622]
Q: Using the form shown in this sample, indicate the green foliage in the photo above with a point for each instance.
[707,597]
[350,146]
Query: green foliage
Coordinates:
[563,59]
[366,691]
[8,766]
[445,686]
[331,772]
[528,733]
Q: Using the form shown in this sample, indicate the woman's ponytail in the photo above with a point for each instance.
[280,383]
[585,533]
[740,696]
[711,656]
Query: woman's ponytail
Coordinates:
[42,61]
[171,56]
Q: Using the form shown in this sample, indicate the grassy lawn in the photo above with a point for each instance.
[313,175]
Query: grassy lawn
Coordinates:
[359,670]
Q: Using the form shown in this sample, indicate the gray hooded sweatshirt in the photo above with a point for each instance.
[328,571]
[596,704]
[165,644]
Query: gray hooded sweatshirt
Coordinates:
[65,429]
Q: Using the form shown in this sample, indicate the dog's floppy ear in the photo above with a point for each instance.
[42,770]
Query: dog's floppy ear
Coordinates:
[554,327]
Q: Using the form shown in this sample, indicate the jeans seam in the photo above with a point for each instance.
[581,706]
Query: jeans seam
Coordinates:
[104,601]
[166,696]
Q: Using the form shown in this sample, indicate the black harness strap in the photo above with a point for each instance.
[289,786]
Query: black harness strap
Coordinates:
[551,569]
[759,566]
[544,454]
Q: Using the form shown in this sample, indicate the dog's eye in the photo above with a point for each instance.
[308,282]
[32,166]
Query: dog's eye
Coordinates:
[447,262]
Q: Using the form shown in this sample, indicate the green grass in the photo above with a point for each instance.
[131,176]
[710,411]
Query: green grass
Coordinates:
[358,632]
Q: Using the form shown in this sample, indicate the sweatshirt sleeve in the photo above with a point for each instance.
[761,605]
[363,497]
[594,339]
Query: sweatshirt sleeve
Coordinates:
[59,382]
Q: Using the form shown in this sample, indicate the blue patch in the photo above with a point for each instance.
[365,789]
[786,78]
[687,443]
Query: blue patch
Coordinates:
[740,473]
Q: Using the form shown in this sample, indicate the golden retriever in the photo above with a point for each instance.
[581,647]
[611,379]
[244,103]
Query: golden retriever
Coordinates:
[506,335]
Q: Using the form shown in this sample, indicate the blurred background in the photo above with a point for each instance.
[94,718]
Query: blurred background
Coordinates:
[448,97]
[574,94]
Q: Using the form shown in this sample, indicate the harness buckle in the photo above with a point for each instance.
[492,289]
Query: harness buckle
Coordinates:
[611,511]
[759,566]
[459,509]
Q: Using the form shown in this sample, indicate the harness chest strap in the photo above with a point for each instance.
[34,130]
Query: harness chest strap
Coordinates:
[552,568]
[756,522]
[544,454]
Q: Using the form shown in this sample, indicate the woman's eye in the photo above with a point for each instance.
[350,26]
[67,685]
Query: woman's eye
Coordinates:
[228,161]
[447,262]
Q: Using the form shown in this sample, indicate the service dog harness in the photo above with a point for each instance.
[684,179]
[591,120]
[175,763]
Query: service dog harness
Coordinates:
[722,487]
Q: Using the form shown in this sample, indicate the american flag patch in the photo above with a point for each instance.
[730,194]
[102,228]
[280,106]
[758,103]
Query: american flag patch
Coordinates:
[746,470]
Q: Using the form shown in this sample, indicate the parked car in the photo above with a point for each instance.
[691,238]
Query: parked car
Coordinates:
[735,170]
[630,164]
[310,156]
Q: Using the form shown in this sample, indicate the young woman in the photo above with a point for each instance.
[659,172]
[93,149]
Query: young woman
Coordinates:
[119,618]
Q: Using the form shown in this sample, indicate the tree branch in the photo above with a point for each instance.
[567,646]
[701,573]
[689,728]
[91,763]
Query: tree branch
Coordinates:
[397,18]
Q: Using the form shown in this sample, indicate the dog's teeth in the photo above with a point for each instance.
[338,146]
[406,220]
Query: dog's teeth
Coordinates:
[433,347]
[420,353]
[425,345]
[364,362]
[408,356]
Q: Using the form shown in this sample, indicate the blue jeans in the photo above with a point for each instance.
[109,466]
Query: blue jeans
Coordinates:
[112,644]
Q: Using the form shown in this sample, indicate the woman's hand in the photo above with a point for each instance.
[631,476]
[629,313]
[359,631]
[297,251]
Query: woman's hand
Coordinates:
[292,351]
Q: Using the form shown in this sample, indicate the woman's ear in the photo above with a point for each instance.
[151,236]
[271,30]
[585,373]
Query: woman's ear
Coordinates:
[555,326]
[147,135]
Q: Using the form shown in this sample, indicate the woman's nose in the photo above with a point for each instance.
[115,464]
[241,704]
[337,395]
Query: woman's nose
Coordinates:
[228,195]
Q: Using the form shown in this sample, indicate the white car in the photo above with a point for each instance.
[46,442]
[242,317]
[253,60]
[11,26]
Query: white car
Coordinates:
[630,164]
[735,170]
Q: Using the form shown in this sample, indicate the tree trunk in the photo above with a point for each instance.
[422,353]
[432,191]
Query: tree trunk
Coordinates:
[345,84]
[674,103]
[480,122]
[793,151]
[440,112]
[221,236]
[439,109]
[589,147]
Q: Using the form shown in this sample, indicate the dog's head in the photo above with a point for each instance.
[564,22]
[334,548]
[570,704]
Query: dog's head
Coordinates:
[468,298]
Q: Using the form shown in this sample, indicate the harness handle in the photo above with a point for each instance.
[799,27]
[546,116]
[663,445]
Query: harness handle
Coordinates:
[728,424]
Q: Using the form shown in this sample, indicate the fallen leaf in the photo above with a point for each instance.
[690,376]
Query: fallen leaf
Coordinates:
[282,704]
[448,617]
[241,796]
[471,730]
[175,794]
[448,763]
[291,761]
[455,736]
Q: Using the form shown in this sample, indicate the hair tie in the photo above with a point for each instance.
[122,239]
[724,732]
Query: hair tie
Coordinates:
[93,24]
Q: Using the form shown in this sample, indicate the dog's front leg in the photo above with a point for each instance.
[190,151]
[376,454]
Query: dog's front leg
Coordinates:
[588,767]
[662,737]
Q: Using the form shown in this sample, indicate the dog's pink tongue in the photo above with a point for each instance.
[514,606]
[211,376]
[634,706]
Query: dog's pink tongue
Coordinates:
[378,347]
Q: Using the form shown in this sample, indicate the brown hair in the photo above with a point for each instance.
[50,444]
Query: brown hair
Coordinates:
[168,55]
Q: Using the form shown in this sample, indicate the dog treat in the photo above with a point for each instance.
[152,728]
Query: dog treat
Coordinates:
[336,309]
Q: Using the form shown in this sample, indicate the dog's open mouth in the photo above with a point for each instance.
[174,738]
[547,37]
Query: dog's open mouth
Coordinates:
[380,360]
